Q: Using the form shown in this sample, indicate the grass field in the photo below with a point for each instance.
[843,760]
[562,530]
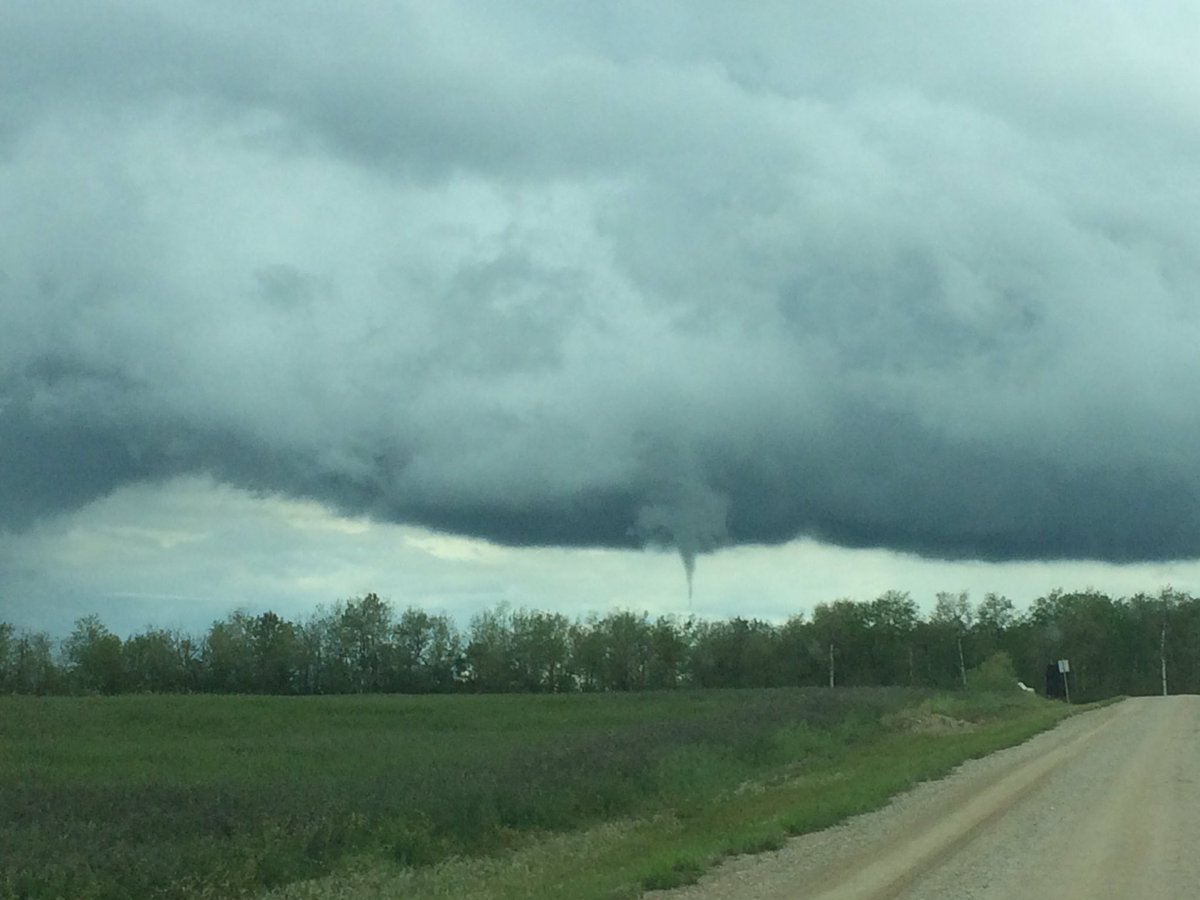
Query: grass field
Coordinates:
[223,796]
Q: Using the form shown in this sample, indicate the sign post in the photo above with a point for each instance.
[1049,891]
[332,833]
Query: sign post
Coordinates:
[1064,666]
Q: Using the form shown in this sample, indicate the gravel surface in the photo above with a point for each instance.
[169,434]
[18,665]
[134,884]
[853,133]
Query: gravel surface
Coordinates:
[1106,805]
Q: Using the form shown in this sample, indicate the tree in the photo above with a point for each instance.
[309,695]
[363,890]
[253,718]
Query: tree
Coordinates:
[320,671]
[587,654]
[427,652]
[33,669]
[540,651]
[1086,627]
[737,653]
[668,652]
[227,655]
[796,660]
[953,614]
[443,659]
[93,655]
[995,616]
[996,613]
[628,649]
[891,621]
[278,654]
[7,658]
[489,651]
[1144,644]
[361,649]
[1179,638]
[839,628]
[154,660]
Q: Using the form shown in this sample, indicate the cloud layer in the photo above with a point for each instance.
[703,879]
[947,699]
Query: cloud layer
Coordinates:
[614,275]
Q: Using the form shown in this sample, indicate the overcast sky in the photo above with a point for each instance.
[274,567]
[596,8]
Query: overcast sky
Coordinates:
[469,302]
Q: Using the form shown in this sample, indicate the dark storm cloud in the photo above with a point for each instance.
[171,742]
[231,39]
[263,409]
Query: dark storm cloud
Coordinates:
[613,274]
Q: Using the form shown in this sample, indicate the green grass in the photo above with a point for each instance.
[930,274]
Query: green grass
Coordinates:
[231,796]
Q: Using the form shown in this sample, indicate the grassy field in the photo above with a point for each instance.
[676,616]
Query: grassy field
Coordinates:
[521,796]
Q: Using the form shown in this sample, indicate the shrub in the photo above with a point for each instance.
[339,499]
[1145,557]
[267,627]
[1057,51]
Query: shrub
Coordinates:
[996,673]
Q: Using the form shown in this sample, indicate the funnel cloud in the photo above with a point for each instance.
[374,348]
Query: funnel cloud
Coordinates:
[684,275]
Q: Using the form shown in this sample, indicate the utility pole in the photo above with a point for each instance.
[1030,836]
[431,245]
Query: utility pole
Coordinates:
[831,663]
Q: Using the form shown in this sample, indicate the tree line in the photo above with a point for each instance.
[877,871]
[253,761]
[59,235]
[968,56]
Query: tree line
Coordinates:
[1130,645]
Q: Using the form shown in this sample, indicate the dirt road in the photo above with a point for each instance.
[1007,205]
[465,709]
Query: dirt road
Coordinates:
[1107,805]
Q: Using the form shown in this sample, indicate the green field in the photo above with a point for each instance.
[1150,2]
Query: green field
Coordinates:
[221,796]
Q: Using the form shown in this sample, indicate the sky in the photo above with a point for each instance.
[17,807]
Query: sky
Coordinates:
[571,305]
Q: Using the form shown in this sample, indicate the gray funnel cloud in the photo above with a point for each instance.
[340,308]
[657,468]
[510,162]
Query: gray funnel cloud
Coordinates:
[692,520]
[908,282]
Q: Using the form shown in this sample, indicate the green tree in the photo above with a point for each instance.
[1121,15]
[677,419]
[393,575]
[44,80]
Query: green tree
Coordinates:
[953,616]
[1085,627]
[364,630]
[798,655]
[8,641]
[540,651]
[1178,642]
[320,669]
[33,669]
[278,654]
[628,650]
[489,651]
[154,661]
[669,644]
[995,616]
[995,613]
[94,658]
[891,621]
[737,653]
[839,629]
[428,652]
[587,654]
[227,655]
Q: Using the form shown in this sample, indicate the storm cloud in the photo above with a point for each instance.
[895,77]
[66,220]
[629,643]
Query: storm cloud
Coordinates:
[923,277]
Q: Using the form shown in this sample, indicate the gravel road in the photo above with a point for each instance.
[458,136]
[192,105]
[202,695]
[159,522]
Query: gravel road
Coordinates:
[1106,805]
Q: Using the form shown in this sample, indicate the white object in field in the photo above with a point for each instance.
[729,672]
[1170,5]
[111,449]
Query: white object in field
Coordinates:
[1064,666]
[1023,686]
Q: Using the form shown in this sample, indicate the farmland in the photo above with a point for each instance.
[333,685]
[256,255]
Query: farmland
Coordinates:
[183,796]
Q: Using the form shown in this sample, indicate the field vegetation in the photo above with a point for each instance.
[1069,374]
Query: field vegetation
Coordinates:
[226,796]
